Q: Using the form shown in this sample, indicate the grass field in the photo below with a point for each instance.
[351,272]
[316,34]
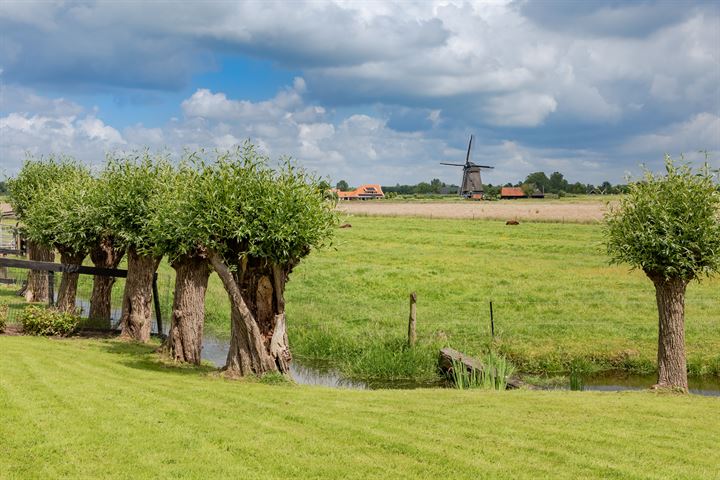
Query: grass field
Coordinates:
[557,303]
[556,300]
[107,409]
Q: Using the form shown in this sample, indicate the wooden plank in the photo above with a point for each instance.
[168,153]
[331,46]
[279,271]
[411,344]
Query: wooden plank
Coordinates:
[8,281]
[62,267]
[10,251]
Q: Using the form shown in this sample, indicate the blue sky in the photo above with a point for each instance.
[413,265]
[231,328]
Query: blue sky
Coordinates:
[368,91]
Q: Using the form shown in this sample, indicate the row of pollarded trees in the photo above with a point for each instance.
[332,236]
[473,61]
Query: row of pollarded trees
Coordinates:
[250,223]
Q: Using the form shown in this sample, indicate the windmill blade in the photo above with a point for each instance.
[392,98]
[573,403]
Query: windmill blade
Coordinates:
[453,164]
[467,157]
[484,166]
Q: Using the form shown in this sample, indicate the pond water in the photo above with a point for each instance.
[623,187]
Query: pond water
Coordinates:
[313,373]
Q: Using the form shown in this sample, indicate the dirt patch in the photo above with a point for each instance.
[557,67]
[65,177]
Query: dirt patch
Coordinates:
[543,211]
[12,330]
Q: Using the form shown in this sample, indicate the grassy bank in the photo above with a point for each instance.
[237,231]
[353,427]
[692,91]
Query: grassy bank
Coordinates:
[106,409]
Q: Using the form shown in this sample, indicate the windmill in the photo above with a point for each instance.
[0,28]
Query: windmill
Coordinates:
[471,186]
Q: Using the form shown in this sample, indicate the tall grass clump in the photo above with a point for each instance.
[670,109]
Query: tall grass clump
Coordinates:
[497,369]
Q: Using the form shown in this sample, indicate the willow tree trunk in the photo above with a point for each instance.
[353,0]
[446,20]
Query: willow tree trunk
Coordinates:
[672,366]
[37,281]
[136,319]
[263,289]
[184,341]
[104,255]
[68,285]
[250,351]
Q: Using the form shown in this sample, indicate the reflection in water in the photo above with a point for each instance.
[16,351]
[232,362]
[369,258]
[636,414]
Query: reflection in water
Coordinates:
[306,373]
[215,350]
[618,381]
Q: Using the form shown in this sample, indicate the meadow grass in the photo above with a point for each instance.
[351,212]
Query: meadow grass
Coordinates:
[72,408]
[556,300]
[558,305]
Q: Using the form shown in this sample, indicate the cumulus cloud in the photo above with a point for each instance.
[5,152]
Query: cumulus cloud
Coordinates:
[520,109]
[581,84]
[700,132]
[85,137]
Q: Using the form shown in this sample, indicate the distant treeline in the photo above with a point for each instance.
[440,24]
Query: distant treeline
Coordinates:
[3,188]
[535,182]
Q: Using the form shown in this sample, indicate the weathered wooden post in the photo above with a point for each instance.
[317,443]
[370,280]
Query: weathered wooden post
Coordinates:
[492,321]
[412,336]
[156,303]
[51,287]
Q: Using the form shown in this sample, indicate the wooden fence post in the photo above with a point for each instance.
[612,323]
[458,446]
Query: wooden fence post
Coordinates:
[492,321]
[412,336]
[51,287]
[156,303]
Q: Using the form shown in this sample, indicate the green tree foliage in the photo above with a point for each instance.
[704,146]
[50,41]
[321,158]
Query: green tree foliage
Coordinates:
[130,182]
[668,225]
[436,185]
[35,177]
[558,183]
[63,214]
[540,180]
[343,186]
[174,208]
[241,205]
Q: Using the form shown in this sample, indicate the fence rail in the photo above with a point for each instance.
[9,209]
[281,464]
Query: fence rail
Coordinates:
[13,270]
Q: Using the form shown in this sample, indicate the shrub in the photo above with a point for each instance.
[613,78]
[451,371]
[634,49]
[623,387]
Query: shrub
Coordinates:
[4,308]
[38,320]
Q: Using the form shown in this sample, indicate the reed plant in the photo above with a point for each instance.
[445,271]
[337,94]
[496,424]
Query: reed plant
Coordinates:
[497,369]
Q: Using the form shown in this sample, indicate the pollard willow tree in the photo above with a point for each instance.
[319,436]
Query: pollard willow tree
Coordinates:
[669,226]
[258,224]
[104,253]
[62,216]
[35,177]
[131,181]
[173,233]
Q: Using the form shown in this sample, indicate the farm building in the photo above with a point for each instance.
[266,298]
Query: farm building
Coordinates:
[517,192]
[363,192]
[512,192]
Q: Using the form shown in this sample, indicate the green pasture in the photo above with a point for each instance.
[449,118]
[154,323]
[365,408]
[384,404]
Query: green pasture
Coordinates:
[107,409]
[557,303]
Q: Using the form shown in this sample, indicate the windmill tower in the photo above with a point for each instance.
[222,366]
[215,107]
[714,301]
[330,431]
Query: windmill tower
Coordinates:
[471,186]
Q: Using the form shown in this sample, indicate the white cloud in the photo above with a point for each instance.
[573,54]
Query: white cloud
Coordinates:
[520,109]
[700,132]
[53,131]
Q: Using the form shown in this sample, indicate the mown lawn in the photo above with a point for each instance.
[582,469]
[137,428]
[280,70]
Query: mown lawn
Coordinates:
[107,409]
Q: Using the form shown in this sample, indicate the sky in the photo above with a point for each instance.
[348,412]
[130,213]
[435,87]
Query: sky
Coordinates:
[369,92]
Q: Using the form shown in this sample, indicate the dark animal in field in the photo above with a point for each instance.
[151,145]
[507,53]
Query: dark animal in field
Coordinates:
[345,225]
[512,222]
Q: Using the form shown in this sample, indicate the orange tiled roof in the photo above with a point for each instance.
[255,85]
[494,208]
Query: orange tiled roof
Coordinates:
[371,190]
[512,192]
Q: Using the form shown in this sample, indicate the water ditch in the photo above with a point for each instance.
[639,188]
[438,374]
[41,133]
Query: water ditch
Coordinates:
[313,373]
